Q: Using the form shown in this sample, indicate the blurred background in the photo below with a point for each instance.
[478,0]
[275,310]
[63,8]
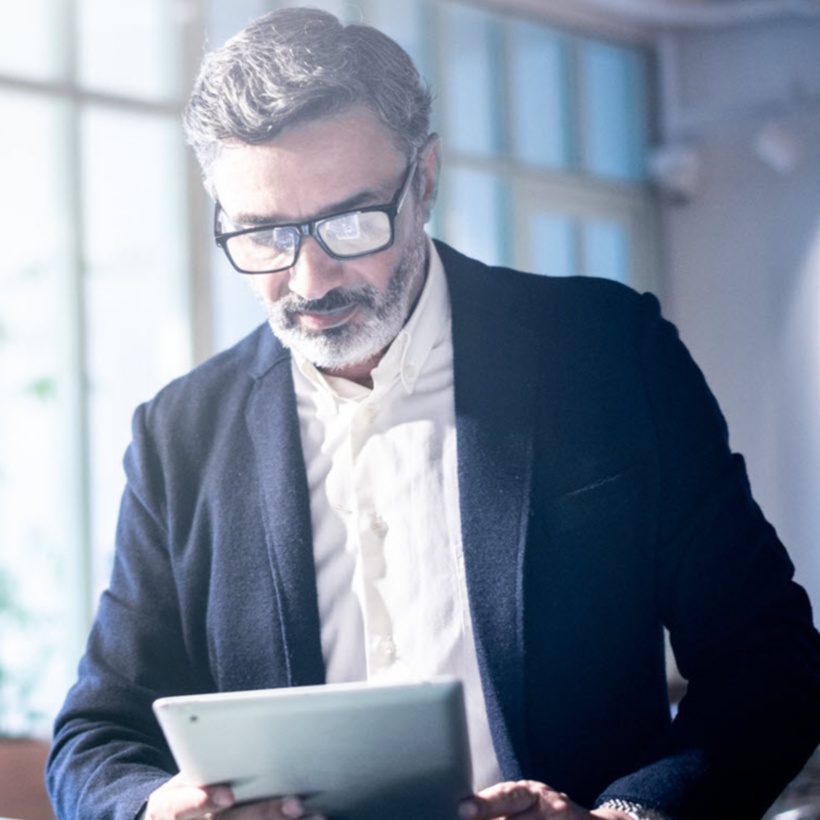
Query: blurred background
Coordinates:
[670,144]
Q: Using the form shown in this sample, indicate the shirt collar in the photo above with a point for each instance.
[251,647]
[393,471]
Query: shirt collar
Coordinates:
[407,354]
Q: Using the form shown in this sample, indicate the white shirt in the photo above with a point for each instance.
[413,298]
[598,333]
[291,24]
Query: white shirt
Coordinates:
[382,471]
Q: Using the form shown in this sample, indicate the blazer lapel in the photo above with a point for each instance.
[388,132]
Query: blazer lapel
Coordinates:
[274,427]
[494,418]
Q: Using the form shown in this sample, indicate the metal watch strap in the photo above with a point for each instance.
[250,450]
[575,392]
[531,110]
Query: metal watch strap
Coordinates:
[635,810]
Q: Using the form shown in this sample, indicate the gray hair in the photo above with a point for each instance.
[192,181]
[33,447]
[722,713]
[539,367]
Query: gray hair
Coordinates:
[296,65]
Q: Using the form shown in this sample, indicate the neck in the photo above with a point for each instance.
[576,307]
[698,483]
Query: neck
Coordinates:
[360,373]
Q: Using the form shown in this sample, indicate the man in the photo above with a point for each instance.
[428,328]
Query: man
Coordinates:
[432,467]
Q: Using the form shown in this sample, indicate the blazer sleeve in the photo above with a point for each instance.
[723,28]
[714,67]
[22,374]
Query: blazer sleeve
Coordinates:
[195,598]
[741,629]
[108,754]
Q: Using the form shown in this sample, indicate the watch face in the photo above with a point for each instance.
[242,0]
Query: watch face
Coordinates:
[635,810]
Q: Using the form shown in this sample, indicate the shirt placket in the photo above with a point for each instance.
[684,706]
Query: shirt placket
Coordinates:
[372,530]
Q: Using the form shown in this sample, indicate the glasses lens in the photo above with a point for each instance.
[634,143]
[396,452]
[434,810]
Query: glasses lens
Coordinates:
[264,250]
[355,234]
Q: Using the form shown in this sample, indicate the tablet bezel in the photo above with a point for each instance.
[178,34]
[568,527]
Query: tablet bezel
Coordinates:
[354,750]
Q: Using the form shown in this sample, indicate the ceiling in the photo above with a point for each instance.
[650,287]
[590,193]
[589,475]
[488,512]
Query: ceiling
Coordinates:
[651,16]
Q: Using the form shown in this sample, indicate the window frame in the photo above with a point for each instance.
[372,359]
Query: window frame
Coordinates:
[78,556]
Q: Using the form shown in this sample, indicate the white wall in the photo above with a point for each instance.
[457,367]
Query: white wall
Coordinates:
[741,273]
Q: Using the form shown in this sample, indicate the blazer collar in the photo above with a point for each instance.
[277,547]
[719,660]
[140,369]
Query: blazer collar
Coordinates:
[273,423]
[494,356]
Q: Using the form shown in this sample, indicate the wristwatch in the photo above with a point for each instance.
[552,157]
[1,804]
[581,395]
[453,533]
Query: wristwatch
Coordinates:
[635,810]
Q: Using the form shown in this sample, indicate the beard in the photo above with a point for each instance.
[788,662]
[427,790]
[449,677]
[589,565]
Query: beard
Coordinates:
[380,315]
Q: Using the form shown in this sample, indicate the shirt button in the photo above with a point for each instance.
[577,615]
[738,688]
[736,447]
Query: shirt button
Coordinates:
[379,526]
[387,649]
[370,411]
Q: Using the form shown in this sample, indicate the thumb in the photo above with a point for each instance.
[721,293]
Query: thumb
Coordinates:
[498,801]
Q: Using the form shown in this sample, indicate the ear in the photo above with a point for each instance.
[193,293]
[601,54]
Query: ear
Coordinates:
[430,163]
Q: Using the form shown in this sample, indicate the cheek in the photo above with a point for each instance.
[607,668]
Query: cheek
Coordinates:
[268,288]
[377,270]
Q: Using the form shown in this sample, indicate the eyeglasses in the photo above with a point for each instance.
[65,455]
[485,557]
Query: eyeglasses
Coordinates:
[273,248]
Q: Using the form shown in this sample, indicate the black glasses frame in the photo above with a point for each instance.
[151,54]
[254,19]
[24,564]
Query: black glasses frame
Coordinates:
[302,229]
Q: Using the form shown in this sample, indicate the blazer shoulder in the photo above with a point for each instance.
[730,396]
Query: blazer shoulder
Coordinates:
[219,386]
[537,299]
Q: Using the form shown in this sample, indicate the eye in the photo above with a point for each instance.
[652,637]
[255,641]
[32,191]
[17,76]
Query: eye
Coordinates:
[284,239]
[280,239]
[357,233]
[344,226]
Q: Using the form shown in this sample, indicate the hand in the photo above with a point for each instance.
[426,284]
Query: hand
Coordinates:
[529,800]
[180,800]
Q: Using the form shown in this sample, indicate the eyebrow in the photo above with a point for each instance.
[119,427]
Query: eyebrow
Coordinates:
[361,199]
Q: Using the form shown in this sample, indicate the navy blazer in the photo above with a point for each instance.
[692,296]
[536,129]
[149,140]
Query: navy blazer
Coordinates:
[600,502]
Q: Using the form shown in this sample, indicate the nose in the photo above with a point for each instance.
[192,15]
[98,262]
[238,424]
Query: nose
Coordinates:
[314,273]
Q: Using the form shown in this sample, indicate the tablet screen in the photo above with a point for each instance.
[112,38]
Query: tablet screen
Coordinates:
[358,751]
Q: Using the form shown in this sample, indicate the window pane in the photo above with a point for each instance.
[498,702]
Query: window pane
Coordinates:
[474,214]
[606,250]
[613,98]
[225,19]
[471,106]
[540,97]
[137,329]
[341,8]
[404,22]
[131,48]
[29,38]
[552,244]
[37,528]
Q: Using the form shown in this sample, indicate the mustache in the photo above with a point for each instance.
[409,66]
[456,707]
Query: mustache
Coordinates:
[336,299]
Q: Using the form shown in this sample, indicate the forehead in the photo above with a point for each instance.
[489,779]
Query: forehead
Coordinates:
[309,168]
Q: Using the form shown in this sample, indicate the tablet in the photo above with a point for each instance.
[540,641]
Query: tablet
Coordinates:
[353,751]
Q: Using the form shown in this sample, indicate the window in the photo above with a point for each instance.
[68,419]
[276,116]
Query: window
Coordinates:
[104,223]
[95,312]
[35,408]
[540,99]
[545,137]
[468,50]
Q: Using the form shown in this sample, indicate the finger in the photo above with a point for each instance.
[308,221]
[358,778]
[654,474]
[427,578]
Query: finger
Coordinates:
[288,808]
[553,805]
[219,797]
[500,800]
[179,800]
